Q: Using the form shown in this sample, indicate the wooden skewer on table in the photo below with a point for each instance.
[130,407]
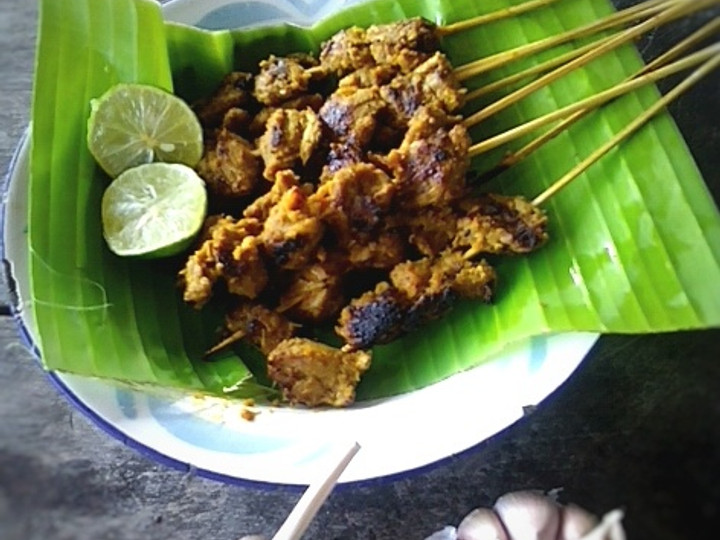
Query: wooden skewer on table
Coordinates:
[307,507]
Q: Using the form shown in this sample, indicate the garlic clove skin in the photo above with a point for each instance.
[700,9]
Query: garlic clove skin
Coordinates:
[529,515]
[447,533]
[481,524]
[576,522]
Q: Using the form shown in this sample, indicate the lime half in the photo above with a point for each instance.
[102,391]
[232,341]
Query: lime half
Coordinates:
[134,124]
[153,210]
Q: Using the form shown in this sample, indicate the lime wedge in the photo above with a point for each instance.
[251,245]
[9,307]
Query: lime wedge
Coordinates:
[134,124]
[153,210]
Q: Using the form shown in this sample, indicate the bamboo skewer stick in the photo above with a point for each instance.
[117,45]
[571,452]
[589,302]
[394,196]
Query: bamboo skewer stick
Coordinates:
[596,100]
[631,128]
[706,31]
[678,10]
[617,19]
[529,72]
[512,11]
[304,511]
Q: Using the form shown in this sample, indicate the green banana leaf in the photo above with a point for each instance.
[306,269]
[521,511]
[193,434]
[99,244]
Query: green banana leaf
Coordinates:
[635,241]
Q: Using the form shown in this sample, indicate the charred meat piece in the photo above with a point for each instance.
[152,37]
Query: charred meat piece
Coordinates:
[432,84]
[339,156]
[419,292]
[281,79]
[377,251]
[373,318]
[346,51]
[404,44]
[291,233]
[352,114]
[369,76]
[290,139]
[230,252]
[476,280]
[237,120]
[260,207]
[430,231]
[313,374]
[315,293]
[229,166]
[262,327]
[235,91]
[449,272]
[354,200]
[431,163]
[500,225]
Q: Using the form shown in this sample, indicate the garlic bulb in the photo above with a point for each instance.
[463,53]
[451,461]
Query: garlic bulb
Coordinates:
[576,522]
[529,515]
[481,524]
[447,533]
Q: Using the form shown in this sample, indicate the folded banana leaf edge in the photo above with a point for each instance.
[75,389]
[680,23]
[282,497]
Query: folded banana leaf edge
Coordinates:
[635,241]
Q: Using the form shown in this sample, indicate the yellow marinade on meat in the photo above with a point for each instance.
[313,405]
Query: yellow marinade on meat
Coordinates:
[342,184]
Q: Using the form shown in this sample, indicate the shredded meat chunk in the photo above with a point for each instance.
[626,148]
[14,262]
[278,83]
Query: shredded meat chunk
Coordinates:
[291,137]
[352,114]
[281,79]
[229,166]
[234,92]
[230,253]
[379,251]
[346,51]
[354,200]
[260,207]
[313,374]
[432,85]
[432,161]
[500,224]
[236,120]
[404,44]
[262,327]
[430,231]
[309,101]
[291,233]
[369,77]
[315,293]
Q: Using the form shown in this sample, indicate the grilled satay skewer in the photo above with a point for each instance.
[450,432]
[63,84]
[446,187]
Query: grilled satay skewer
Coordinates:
[456,278]
[394,35]
[420,291]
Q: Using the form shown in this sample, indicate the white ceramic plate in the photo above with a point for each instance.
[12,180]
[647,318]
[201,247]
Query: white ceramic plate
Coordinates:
[286,446]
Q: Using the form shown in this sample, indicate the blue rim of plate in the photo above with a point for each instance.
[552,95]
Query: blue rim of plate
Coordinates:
[144,449]
[155,455]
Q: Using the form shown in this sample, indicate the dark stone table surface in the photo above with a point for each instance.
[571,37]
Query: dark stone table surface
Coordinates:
[636,427]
